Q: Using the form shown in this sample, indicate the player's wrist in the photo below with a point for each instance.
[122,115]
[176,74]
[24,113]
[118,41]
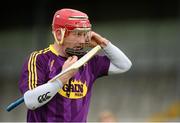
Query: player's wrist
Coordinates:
[59,82]
[104,43]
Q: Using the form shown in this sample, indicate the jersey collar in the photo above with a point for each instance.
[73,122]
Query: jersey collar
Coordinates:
[53,50]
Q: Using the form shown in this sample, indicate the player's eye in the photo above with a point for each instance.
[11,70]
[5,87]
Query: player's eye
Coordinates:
[79,34]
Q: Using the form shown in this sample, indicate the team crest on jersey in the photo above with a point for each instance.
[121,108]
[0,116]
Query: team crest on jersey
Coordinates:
[75,90]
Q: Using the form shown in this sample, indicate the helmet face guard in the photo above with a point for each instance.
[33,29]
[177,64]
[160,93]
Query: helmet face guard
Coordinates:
[78,53]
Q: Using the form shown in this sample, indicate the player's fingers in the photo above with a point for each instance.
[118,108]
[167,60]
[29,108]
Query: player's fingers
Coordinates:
[74,58]
[99,39]
[95,35]
[95,38]
[67,63]
[69,59]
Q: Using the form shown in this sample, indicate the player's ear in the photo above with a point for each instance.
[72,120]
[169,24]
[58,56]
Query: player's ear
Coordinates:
[58,34]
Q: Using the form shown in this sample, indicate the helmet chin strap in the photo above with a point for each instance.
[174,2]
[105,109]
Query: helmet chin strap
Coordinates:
[63,30]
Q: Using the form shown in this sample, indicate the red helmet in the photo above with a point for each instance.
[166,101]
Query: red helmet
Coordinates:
[70,19]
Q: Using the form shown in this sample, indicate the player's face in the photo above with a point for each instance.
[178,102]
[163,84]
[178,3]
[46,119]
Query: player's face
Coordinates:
[76,39]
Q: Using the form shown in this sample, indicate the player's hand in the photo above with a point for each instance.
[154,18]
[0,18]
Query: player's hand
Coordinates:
[96,39]
[65,78]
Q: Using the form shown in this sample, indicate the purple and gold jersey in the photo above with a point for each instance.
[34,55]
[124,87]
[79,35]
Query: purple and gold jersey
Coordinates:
[71,103]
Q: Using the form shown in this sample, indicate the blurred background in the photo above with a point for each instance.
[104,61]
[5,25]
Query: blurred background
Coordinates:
[147,31]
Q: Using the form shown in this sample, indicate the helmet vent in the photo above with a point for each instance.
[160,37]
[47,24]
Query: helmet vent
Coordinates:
[77,18]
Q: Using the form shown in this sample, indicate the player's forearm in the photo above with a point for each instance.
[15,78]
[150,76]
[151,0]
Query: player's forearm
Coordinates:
[42,94]
[119,61]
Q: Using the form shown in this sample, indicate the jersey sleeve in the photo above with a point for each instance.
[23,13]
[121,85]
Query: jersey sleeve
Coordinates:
[100,65]
[33,72]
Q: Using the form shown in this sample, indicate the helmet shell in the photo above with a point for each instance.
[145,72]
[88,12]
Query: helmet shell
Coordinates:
[70,19]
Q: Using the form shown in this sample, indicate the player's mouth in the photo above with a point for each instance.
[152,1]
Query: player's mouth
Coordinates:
[78,48]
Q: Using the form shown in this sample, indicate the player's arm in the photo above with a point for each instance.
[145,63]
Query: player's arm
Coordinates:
[119,62]
[44,93]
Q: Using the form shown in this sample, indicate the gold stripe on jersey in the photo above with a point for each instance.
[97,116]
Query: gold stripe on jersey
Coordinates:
[34,69]
[30,70]
[46,50]
[34,83]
